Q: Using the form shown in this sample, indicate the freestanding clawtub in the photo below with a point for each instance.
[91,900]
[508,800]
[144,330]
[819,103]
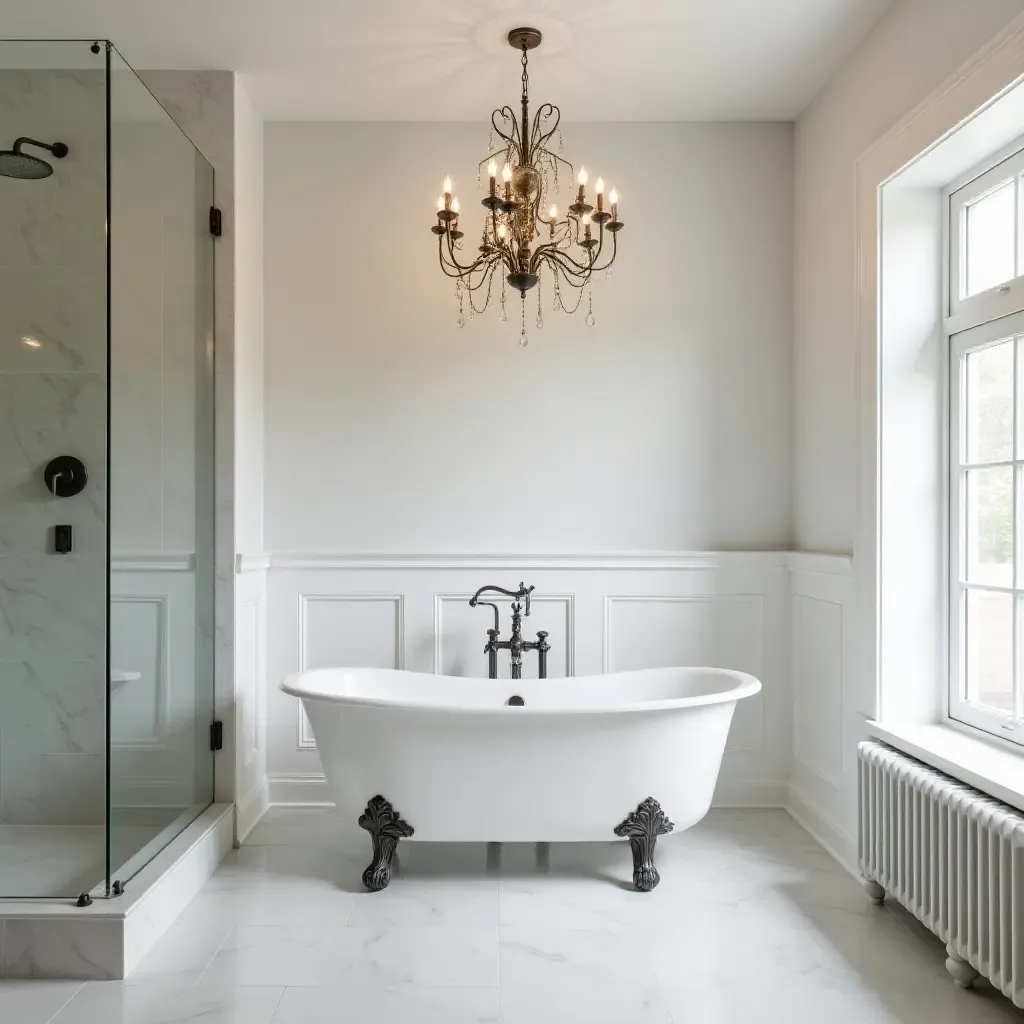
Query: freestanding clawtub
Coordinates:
[445,758]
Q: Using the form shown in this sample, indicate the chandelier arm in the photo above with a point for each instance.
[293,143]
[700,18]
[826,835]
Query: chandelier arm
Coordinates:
[449,263]
[510,138]
[491,156]
[538,136]
[574,277]
[484,262]
[549,251]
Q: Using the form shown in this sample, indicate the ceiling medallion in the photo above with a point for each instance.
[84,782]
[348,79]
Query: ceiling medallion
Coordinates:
[522,239]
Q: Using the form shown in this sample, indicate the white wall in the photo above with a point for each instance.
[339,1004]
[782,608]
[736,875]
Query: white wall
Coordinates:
[665,427]
[911,52]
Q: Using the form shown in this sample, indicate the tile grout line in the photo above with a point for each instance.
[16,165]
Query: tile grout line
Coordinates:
[220,946]
[63,1006]
[277,1005]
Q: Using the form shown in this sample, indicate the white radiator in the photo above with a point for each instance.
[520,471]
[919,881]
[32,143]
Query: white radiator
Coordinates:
[953,857]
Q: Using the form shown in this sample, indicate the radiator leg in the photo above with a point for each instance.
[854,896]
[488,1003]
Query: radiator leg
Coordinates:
[386,827]
[874,890]
[964,975]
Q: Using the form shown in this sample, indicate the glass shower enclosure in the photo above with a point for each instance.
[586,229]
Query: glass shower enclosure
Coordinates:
[106,473]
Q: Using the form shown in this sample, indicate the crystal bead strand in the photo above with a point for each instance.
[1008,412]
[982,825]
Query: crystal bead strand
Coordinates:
[590,306]
[504,315]
[460,320]
[523,339]
[540,309]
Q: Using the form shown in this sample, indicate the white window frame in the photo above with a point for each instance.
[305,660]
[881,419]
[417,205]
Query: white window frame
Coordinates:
[972,324]
[1003,299]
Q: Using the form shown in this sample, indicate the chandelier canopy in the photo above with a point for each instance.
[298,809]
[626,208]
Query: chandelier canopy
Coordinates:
[523,240]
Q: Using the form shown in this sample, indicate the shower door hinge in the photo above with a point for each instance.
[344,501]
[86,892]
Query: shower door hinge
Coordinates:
[216,224]
[216,735]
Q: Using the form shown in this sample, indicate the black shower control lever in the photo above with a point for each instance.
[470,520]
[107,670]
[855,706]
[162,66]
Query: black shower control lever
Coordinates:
[62,539]
[65,476]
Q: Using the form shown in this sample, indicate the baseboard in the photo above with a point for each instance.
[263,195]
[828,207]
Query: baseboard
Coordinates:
[830,836]
[250,809]
[741,793]
[300,790]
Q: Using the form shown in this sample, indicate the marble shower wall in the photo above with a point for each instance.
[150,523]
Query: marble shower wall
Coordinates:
[53,402]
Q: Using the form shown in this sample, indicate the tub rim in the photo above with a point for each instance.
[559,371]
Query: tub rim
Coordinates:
[745,685]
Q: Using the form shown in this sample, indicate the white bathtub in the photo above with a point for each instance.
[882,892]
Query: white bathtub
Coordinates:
[458,764]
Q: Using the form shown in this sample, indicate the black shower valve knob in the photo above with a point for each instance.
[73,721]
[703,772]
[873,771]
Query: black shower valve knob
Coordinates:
[65,476]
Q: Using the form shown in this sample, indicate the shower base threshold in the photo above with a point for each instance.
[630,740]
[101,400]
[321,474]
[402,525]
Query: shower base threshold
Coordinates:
[105,941]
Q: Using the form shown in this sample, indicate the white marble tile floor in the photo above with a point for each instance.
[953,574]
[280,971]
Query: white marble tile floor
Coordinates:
[753,922]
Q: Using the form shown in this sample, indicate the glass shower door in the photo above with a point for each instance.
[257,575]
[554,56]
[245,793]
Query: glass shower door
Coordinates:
[161,477]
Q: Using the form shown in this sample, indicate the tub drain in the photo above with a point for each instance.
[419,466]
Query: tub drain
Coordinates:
[516,701]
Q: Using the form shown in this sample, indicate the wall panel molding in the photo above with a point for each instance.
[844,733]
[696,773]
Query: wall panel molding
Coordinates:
[625,561]
[305,740]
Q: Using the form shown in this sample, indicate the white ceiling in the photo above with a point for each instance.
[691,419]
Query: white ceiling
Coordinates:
[441,60]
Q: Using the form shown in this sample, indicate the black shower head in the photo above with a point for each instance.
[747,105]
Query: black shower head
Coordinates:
[16,164]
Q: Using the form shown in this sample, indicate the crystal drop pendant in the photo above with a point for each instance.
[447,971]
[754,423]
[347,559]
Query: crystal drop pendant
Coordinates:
[504,316]
[540,319]
[590,320]
[472,313]
[460,321]
[523,339]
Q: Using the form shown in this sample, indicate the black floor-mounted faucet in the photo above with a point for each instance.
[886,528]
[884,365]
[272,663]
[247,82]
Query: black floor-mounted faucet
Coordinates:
[516,645]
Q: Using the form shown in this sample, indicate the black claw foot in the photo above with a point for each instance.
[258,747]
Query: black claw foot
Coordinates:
[385,826]
[642,828]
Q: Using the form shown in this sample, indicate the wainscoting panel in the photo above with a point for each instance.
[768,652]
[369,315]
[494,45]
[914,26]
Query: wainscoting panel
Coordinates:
[826,723]
[348,629]
[724,631]
[603,613]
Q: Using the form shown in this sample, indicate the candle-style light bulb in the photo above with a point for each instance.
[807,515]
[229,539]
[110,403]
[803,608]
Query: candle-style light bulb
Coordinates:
[492,169]
[440,203]
[600,195]
[447,185]
[613,196]
[553,212]
[586,220]
[455,205]
[583,176]
[600,185]
[501,231]
[506,174]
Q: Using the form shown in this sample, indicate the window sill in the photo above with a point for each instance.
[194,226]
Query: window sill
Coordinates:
[989,767]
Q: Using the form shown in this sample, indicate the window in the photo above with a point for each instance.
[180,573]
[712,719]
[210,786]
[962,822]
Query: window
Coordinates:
[986,447]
